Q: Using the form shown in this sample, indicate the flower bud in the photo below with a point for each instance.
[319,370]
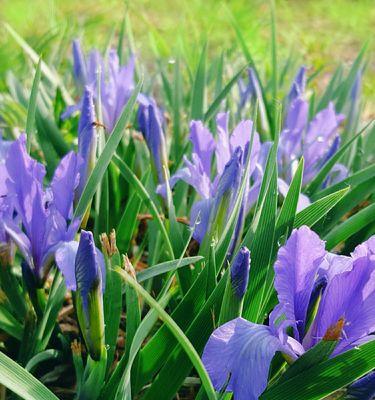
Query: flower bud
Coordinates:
[89,299]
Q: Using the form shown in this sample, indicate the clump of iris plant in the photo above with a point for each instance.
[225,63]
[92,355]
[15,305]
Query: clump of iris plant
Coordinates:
[317,291]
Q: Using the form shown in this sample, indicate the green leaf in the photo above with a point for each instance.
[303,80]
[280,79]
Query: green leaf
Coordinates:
[177,365]
[10,324]
[106,155]
[178,334]
[121,375]
[221,96]
[51,75]
[198,92]
[112,304]
[352,180]
[326,377]
[285,220]
[129,175]
[315,211]
[164,267]
[158,348]
[351,226]
[317,354]
[50,354]
[260,246]
[128,221]
[30,121]
[21,382]
[355,197]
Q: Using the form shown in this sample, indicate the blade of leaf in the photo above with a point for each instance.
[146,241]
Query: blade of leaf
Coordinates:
[351,226]
[177,332]
[21,382]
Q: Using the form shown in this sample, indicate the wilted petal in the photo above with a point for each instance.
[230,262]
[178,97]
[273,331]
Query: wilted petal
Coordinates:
[241,352]
[295,270]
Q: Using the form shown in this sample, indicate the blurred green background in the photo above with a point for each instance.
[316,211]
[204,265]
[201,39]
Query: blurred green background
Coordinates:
[317,32]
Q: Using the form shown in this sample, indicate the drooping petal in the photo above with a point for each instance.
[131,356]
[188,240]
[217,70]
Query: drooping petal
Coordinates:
[240,353]
[203,144]
[295,270]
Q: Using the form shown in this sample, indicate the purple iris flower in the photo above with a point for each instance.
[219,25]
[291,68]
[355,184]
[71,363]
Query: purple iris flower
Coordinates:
[239,353]
[316,140]
[83,267]
[151,124]
[116,82]
[215,169]
[42,219]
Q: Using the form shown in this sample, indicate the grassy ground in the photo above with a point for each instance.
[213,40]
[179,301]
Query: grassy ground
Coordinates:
[318,32]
